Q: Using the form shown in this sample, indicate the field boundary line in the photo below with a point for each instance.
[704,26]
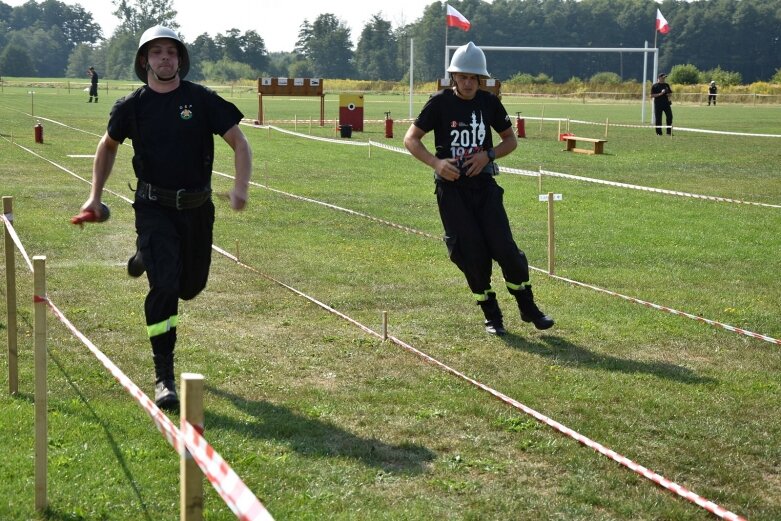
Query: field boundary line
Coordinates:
[533,173]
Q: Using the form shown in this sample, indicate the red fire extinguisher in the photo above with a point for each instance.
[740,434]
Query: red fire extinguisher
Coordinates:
[520,124]
[388,125]
[39,133]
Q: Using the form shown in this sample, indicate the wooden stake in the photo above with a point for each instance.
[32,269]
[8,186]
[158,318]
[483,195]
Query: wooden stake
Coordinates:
[607,123]
[10,299]
[41,421]
[190,476]
[385,325]
[237,249]
[551,241]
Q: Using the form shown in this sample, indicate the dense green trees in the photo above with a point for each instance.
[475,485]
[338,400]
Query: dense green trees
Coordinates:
[727,39]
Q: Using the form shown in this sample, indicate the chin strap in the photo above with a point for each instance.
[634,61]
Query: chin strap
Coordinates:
[158,78]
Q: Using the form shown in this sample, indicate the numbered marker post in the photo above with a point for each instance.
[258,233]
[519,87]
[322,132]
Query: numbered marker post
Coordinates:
[550,197]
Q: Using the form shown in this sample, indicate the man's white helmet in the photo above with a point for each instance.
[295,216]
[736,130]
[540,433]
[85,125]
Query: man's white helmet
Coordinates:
[469,59]
[153,33]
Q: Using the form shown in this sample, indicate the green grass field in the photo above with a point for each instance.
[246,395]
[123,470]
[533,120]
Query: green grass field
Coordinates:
[324,421]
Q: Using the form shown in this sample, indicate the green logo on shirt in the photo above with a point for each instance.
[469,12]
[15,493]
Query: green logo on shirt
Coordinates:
[186,113]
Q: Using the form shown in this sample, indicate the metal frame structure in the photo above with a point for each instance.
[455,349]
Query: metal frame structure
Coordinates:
[645,50]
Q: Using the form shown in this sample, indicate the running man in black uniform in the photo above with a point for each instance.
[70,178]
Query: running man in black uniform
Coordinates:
[172,124]
[477,230]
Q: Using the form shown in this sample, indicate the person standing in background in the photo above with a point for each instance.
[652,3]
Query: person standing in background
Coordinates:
[660,92]
[712,93]
[93,88]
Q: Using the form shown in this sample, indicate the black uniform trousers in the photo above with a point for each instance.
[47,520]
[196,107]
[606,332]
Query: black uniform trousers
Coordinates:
[176,248]
[477,232]
[667,110]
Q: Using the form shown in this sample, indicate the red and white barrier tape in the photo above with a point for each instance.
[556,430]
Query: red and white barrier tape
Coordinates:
[666,309]
[334,207]
[15,238]
[698,500]
[225,481]
[646,188]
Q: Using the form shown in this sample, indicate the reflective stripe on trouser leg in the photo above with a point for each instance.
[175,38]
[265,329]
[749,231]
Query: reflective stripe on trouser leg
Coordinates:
[518,287]
[484,296]
[163,327]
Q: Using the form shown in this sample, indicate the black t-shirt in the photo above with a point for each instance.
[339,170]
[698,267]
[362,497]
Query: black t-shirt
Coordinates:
[664,99]
[173,133]
[94,78]
[462,127]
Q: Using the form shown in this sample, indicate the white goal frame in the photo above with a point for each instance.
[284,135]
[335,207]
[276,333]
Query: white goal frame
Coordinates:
[645,50]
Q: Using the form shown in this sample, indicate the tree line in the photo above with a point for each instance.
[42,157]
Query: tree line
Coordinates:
[738,37]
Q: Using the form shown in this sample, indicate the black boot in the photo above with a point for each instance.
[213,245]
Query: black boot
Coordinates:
[90,99]
[493,315]
[165,386]
[529,310]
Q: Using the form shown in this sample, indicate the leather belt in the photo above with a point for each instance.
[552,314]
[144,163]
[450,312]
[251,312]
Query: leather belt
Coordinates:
[183,199]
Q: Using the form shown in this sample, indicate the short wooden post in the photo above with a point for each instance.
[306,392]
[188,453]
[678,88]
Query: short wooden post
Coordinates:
[607,124]
[385,325]
[41,423]
[295,122]
[237,250]
[10,299]
[542,117]
[190,476]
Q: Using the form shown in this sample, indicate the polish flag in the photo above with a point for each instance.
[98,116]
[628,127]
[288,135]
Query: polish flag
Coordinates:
[456,19]
[661,24]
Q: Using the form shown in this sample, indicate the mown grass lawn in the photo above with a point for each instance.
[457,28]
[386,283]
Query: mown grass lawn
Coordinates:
[322,420]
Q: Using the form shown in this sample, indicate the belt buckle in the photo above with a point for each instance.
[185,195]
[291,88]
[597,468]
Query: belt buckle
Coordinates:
[179,198]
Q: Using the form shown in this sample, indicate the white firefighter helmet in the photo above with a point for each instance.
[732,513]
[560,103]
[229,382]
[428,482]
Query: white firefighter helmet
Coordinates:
[469,59]
[153,33]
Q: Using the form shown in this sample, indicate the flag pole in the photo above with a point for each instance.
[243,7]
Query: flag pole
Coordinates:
[656,33]
[446,27]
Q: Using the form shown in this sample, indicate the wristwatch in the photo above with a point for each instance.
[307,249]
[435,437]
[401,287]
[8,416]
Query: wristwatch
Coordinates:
[491,154]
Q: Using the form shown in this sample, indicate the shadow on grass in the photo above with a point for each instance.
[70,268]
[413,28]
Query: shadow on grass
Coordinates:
[51,512]
[313,437]
[568,353]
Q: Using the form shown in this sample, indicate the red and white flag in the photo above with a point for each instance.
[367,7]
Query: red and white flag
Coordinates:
[661,24]
[456,19]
